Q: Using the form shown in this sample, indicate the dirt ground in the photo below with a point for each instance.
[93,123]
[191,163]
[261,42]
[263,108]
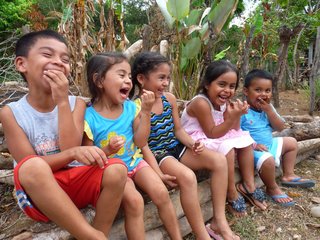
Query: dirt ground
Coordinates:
[276,223]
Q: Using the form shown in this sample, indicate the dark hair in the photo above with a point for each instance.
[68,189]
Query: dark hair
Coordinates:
[27,41]
[215,70]
[256,73]
[144,63]
[99,65]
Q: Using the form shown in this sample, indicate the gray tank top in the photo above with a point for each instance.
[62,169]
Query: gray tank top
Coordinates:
[40,128]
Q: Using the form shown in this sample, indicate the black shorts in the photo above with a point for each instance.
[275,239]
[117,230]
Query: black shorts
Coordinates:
[175,152]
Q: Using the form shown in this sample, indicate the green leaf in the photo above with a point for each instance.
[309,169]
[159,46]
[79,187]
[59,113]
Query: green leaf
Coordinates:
[167,16]
[193,17]
[178,9]
[192,48]
[221,12]
[258,23]
[221,54]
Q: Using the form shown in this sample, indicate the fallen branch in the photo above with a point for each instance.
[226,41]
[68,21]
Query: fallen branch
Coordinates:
[302,131]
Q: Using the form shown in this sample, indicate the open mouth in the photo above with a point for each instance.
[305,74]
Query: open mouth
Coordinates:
[124,92]
[223,98]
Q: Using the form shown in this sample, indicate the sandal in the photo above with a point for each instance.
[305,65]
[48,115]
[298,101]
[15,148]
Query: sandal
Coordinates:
[239,205]
[257,194]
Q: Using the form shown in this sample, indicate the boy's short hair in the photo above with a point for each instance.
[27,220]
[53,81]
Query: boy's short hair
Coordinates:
[256,73]
[25,43]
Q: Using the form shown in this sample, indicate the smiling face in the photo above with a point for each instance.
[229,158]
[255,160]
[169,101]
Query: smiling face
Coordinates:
[222,89]
[157,80]
[117,83]
[45,54]
[259,88]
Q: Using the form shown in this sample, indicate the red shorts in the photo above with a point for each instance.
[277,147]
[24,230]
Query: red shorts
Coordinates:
[82,184]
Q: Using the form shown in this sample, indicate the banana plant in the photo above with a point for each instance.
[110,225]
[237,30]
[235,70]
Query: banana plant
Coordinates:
[194,30]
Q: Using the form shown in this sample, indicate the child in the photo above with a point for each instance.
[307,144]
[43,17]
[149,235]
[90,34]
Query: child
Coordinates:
[221,132]
[43,131]
[260,121]
[173,152]
[119,128]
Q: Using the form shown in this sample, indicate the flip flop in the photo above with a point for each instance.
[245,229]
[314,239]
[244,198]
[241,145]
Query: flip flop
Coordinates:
[279,196]
[296,182]
[212,233]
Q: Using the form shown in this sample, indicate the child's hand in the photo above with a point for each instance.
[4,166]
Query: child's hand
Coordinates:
[59,85]
[197,147]
[261,148]
[90,155]
[115,144]
[147,100]
[169,180]
[243,106]
[234,110]
[264,104]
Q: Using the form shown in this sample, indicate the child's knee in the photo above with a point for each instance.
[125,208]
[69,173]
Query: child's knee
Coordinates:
[133,204]
[115,174]
[33,172]
[187,178]
[290,143]
[161,196]
[268,164]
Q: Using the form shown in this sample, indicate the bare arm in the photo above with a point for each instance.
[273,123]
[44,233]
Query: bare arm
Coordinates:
[71,124]
[20,147]
[141,123]
[276,121]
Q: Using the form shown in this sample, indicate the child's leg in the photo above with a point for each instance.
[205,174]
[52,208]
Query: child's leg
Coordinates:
[112,187]
[267,175]
[289,155]
[232,194]
[187,183]
[246,167]
[148,181]
[217,165]
[37,179]
[133,206]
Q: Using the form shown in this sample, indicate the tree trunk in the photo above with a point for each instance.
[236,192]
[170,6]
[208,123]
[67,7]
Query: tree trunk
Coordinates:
[295,57]
[315,74]
[285,35]
[246,53]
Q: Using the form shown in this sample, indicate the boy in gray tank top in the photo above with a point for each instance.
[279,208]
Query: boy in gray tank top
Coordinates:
[54,175]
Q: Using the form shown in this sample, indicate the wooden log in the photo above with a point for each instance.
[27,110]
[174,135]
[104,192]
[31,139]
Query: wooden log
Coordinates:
[153,225]
[302,131]
[298,118]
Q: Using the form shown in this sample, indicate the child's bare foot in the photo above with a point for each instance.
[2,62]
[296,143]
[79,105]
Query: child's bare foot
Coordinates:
[237,206]
[221,231]
[256,197]
[280,197]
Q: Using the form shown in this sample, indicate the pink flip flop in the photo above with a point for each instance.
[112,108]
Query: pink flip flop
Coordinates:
[212,233]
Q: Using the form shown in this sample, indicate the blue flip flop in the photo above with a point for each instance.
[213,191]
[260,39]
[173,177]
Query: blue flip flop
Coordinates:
[279,196]
[296,182]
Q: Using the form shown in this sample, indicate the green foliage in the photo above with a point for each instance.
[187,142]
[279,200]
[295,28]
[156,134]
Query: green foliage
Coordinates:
[135,16]
[13,14]
[178,9]
[192,42]
[307,91]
